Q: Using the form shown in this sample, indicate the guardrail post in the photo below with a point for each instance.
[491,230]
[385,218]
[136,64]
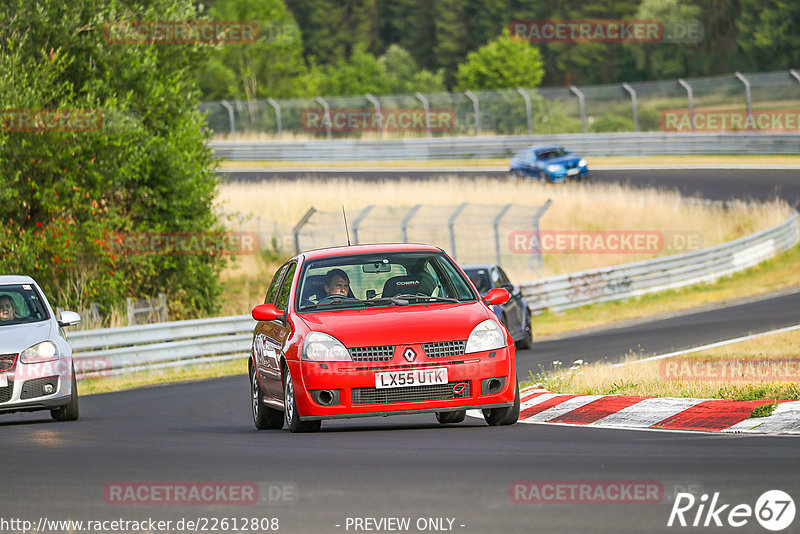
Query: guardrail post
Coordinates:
[495,225]
[327,114]
[407,219]
[536,217]
[748,99]
[582,104]
[299,226]
[377,106]
[162,304]
[632,92]
[690,95]
[358,220]
[451,225]
[225,104]
[476,110]
[528,113]
[427,108]
[277,108]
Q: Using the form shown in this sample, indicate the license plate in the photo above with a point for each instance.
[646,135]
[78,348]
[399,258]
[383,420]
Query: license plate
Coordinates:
[572,172]
[3,380]
[416,377]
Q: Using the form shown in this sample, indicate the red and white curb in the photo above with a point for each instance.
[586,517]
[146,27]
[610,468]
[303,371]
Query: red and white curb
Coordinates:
[625,411]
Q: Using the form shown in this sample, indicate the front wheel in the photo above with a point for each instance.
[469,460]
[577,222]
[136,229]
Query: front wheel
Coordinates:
[450,418]
[527,338]
[503,416]
[290,407]
[70,411]
[543,177]
[264,417]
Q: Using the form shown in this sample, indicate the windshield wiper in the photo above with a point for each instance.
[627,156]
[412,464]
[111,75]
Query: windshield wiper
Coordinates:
[429,297]
[383,300]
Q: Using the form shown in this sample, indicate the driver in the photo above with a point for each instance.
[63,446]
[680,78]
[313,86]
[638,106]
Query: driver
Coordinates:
[8,311]
[337,283]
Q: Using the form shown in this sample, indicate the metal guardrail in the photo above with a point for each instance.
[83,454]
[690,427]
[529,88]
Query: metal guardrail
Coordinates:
[487,147]
[144,347]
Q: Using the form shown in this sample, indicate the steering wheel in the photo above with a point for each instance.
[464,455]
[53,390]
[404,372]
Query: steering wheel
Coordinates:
[332,298]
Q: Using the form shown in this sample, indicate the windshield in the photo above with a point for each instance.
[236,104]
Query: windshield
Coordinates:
[388,279]
[20,304]
[480,279]
[552,153]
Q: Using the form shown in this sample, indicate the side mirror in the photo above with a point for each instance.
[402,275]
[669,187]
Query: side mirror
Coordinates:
[266,312]
[497,296]
[68,318]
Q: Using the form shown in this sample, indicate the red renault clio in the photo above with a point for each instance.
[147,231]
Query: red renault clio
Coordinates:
[379,330]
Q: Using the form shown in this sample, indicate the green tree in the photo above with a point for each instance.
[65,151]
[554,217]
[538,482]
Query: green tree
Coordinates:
[768,33]
[405,75]
[71,198]
[503,63]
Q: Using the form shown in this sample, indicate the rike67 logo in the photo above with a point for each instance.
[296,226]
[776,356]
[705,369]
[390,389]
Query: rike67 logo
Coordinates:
[774,510]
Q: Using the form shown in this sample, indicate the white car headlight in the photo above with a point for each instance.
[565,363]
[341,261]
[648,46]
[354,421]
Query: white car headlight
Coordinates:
[582,163]
[554,168]
[319,347]
[486,336]
[41,352]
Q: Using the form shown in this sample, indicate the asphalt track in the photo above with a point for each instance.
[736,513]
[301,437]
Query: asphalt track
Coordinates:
[408,466]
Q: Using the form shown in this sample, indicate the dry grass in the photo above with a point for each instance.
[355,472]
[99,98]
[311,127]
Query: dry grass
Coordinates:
[728,372]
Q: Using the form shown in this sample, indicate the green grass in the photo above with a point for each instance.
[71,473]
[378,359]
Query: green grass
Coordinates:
[765,410]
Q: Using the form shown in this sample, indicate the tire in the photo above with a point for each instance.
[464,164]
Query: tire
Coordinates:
[290,407]
[71,410]
[542,176]
[450,418]
[503,416]
[517,176]
[527,339]
[264,417]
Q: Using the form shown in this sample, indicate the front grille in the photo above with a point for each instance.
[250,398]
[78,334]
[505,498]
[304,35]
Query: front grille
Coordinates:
[378,353]
[35,388]
[6,392]
[7,362]
[444,349]
[409,394]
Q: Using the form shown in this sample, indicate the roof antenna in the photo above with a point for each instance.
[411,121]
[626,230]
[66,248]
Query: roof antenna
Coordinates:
[346,229]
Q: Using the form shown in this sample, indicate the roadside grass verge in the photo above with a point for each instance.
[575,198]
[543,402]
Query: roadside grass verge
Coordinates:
[764,368]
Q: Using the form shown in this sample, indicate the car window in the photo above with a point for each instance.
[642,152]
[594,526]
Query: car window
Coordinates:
[480,279]
[503,277]
[273,287]
[552,153]
[21,303]
[283,294]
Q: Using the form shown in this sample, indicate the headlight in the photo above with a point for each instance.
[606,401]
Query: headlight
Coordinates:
[41,352]
[554,168]
[582,163]
[319,347]
[486,336]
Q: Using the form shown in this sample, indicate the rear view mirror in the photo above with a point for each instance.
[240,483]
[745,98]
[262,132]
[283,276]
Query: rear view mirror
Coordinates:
[376,267]
[68,318]
[266,312]
[497,296]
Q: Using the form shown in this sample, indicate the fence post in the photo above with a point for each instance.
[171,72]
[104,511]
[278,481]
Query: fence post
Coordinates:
[632,92]
[162,303]
[749,100]
[582,104]
[327,114]
[299,226]
[277,108]
[690,94]
[407,219]
[427,108]
[450,225]
[358,220]
[131,311]
[377,106]
[476,109]
[496,224]
[536,217]
[528,112]
[226,105]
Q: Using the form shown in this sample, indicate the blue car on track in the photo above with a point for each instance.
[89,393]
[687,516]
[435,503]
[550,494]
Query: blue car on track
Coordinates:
[548,164]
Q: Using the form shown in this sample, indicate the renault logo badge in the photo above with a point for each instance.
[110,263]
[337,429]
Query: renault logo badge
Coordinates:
[409,354]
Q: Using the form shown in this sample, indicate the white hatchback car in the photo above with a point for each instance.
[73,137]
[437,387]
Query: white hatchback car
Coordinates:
[36,369]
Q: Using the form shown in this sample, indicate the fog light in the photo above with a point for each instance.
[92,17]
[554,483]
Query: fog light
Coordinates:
[48,389]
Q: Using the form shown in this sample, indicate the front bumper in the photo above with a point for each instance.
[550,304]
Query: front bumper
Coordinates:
[25,385]
[355,393]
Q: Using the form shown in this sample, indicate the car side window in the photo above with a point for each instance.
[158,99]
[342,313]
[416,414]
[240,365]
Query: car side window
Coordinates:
[273,286]
[496,280]
[504,281]
[283,294]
